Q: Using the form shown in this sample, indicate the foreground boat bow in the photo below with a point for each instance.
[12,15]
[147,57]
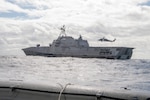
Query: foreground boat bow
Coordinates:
[26,91]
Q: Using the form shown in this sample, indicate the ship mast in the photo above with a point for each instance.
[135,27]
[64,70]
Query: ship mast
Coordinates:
[63,29]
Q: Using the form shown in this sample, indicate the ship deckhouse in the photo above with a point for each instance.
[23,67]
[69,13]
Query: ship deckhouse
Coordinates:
[67,41]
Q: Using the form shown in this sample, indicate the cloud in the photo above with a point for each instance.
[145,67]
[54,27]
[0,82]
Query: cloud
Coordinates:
[146,3]
[6,7]
[29,22]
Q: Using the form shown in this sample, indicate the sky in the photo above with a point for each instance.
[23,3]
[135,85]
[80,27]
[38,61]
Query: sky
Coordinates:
[25,23]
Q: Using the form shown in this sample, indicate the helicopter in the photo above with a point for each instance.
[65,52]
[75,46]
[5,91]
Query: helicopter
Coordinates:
[106,40]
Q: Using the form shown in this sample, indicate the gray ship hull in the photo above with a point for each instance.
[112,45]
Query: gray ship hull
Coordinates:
[91,52]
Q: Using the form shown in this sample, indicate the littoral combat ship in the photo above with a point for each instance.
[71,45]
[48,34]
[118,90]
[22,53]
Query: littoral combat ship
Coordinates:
[67,46]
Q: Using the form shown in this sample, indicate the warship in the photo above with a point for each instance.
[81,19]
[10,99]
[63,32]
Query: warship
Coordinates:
[67,46]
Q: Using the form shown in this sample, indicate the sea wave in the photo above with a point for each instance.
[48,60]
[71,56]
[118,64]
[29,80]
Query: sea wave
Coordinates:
[132,74]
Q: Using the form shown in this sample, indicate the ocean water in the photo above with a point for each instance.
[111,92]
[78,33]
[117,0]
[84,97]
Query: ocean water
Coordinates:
[133,74]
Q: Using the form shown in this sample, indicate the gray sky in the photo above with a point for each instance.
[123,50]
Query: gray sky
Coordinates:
[26,23]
